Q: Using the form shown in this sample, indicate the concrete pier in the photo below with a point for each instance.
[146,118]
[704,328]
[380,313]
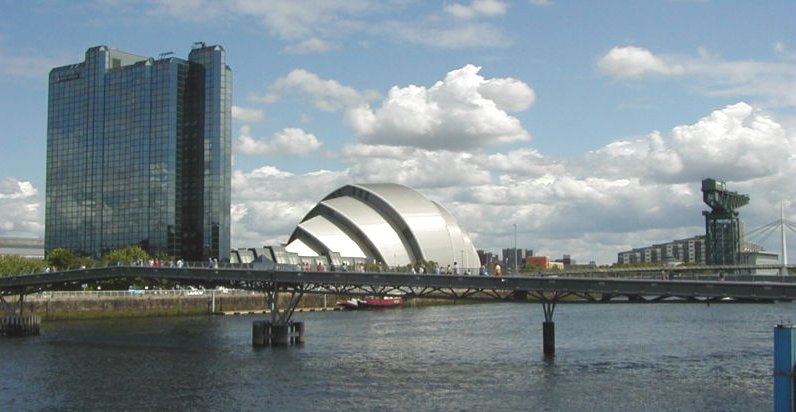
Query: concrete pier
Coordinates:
[264,333]
[13,326]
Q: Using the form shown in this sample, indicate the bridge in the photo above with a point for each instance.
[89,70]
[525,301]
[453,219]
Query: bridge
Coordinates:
[695,283]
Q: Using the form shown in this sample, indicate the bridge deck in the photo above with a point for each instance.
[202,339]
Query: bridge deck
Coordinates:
[410,284]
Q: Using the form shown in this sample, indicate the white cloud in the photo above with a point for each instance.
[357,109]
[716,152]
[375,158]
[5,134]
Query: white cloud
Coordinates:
[326,95]
[293,20]
[446,36]
[287,142]
[634,61]
[412,167]
[22,212]
[14,189]
[247,115]
[463,111]
[783,51]
[308,46]
[737,143]
[269,203]
[315,27]
[31,67]
[772,82]
[477,8]
[628,194]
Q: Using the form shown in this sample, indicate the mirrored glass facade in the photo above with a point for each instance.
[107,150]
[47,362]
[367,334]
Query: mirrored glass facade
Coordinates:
[138,153]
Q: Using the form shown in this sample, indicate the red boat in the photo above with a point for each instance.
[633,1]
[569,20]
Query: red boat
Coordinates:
[372,303]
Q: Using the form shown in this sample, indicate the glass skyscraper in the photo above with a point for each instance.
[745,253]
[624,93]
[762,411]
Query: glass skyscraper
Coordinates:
[139,153]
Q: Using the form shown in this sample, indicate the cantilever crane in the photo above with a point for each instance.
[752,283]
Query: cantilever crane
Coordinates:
[722,225]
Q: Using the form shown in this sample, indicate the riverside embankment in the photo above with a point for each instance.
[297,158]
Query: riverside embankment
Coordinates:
[53,306]
[109,304]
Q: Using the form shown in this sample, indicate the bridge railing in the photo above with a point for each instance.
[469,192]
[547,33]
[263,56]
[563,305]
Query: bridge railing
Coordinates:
[706,273]
[137,292]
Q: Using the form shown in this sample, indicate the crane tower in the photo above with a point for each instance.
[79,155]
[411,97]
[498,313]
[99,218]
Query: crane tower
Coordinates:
[723,231]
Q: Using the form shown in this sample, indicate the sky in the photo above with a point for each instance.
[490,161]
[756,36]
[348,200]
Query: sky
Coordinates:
[587,124]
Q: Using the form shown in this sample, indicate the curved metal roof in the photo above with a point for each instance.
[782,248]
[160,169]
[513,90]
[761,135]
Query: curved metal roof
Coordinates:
[387,222]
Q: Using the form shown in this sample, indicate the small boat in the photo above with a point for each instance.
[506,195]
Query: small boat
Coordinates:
[372,303]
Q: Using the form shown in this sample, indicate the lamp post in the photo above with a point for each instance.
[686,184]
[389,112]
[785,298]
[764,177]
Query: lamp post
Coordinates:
[516,269]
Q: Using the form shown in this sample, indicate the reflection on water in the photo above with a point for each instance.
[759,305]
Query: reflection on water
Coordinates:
[470,357]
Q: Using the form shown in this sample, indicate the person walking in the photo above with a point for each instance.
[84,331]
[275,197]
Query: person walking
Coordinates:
[498,271]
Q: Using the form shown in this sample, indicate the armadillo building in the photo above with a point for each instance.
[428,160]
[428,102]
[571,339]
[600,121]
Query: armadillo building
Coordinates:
[385,223]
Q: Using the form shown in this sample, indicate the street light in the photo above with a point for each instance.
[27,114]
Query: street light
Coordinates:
[516,270]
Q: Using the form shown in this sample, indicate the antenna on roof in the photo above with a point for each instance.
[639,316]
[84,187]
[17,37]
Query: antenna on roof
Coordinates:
[199,44]
[162,55]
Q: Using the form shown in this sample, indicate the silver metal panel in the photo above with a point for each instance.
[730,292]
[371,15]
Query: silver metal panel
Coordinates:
[331,236]
[378,231]
[390,220]
[299,247]
[436,231]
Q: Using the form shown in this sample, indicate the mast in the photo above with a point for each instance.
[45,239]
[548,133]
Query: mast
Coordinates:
[784,268]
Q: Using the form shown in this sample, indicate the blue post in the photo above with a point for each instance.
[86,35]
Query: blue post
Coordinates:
[784,362]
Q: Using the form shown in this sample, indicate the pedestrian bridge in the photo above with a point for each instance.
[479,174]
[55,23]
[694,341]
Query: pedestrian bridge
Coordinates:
[598,285]
[706,284]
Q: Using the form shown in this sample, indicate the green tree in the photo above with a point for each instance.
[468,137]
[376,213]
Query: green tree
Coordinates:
[62,258]
[15,265]
[127,255]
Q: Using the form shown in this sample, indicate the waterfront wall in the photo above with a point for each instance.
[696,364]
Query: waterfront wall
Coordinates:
[95,306]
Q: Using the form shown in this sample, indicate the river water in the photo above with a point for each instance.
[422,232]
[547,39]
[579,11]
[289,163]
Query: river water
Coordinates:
[481,357]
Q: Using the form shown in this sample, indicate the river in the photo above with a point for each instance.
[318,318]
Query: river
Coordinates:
[480,357]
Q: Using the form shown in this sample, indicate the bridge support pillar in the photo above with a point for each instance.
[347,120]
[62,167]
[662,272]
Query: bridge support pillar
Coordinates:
[14,322]
[280,330]
[784,367]
[548,329]
[549,338]
[264,333]
[280,335]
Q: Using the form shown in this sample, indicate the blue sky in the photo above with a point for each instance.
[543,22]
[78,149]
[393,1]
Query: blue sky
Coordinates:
[588,124]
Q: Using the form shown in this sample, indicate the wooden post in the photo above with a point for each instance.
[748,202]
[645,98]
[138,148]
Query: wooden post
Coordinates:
[258,333]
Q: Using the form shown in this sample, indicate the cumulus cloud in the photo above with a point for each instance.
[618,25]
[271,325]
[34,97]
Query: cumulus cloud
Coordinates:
[22,211]
[628,194]
[412,167]
[269,203]
[631,61]
[738,143]
[288,142]
[463,111]
[326,95]
[14,189]
[247,115]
